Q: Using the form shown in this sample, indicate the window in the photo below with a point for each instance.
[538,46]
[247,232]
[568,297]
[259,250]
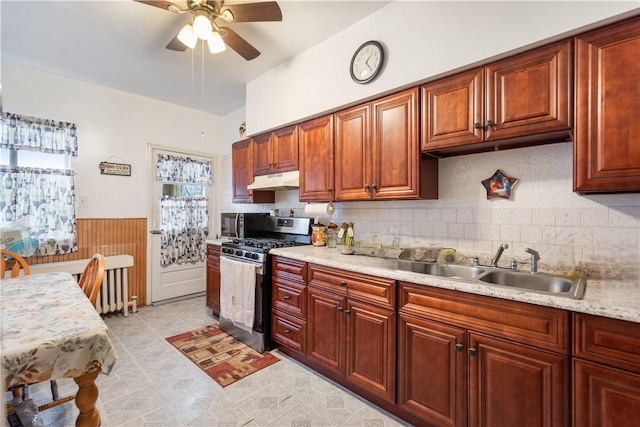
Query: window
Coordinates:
[37,192]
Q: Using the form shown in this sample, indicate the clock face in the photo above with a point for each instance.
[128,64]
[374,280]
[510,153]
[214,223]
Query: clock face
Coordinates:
[367,62]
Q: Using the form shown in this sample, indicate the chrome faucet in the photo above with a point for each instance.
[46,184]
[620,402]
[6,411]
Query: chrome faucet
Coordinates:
[535,257]
[496,257]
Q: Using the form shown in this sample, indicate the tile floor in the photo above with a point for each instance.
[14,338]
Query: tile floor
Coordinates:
[152,384]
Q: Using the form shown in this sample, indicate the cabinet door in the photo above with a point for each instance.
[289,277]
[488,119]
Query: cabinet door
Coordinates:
[607,132]
[262,154]
[604,397]
[513,385]
[432,371]
[316,160]
[530,93]
[325,329]
[241,159]
[353,150]
[285,149]
[452,111]
[371,348]
[213,279]
[396,149]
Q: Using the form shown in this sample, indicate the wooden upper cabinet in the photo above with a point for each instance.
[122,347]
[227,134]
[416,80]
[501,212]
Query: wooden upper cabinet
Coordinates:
[276,151]
[522,100]
[242,167]
[316,160]
[378,152]
[607,132]
[242,175]
[353,153]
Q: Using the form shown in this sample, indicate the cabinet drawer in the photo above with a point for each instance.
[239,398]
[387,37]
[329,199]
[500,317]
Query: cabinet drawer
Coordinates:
[288,331]
[609,341]
[371,289]
[543,327]
[289,297]
[289,269]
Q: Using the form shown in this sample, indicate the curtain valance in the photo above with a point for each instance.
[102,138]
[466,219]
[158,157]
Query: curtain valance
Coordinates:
[183,170]
[36,134]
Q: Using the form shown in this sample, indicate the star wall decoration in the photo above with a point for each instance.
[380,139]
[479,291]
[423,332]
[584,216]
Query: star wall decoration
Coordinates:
[499,185]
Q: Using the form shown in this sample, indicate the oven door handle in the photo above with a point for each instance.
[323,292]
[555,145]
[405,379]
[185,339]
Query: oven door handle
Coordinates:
[236,225]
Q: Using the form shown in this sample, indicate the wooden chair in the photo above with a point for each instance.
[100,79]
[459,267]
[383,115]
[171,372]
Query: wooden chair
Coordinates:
[90,282]
[19,264]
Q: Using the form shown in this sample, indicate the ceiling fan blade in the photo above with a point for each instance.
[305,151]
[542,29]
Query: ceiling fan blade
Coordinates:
[176,45]
[240,45]
[254,12]
[159,3]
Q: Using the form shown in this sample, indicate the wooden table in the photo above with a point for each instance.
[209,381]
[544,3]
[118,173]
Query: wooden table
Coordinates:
[50,330]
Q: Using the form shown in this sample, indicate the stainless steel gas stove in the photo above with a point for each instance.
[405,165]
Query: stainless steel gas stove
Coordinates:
[273,232]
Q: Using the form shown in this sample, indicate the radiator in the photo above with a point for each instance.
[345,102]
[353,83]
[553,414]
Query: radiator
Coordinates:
[114,292]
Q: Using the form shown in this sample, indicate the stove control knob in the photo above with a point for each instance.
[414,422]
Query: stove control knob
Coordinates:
[239,252]
[254,256]
[247,255]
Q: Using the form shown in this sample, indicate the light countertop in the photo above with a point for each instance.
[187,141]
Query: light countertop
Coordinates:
[618,299]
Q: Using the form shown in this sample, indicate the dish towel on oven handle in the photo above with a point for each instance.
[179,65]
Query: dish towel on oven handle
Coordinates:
[237,292]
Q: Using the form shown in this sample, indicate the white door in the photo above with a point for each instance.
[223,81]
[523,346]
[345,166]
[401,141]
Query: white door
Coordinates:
[174,280]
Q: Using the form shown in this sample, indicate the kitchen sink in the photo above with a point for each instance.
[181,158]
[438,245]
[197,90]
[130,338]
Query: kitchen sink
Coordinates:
[539,283]
[442,270]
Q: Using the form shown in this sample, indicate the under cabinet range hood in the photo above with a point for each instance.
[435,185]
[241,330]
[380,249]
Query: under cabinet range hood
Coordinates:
[276,181]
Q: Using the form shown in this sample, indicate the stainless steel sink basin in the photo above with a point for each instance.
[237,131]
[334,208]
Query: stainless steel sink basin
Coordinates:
[539,283]
[442,270]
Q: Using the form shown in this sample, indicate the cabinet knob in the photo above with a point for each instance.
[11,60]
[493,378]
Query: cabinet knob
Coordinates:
[343,283]
[347,312]
[366,187]
[473,351]
[286,297]
[477,126]
[458,347]
[374,187]
[287,269]
[339,308]
[489,123]
[286,331]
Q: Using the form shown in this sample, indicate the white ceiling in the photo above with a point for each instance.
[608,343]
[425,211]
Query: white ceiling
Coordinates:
[120,44]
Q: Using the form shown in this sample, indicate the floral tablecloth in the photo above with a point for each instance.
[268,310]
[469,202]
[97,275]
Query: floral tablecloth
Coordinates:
[50,330]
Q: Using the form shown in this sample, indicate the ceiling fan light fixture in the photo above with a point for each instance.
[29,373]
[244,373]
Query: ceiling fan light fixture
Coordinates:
[187,36]
[202,27]
[215,43]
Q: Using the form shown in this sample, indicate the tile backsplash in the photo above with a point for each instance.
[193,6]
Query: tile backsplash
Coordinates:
[544,212]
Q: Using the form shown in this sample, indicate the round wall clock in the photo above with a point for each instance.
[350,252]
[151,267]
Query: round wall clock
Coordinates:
[367,62]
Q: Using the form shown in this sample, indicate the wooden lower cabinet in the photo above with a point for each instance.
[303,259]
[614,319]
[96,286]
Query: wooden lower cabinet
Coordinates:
[432,371]
[516,385]
[604,396]
[351,329]
[606,372]
[289,303]
[213,278]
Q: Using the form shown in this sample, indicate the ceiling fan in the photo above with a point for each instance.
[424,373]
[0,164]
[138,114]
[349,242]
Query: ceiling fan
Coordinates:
[204,26]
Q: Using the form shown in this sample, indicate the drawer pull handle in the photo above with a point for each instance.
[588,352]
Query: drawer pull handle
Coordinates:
[287,269]
[339,308]
[343,283]
[473,351]
[458,347]
[286,297]
[286,331]
[347,312]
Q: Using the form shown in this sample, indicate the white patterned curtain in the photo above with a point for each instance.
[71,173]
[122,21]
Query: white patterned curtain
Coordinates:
[185,220]
[183,169]
[35,134]
[184,228]
[42,200]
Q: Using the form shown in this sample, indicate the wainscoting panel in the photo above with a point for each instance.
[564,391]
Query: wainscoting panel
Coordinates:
[111,236]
